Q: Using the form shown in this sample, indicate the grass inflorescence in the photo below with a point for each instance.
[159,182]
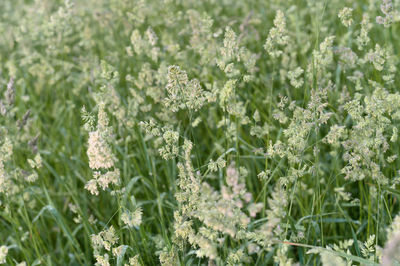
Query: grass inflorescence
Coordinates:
[214,132]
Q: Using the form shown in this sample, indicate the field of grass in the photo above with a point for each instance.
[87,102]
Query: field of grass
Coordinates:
[199,132]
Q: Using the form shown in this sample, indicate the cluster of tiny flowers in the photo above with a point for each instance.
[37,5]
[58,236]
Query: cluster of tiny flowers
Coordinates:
[277,36]
[167,139]
[377,57]
[322,57]
[102,180]
[367,140]
[182,92]
[219,164]
[101,158]
[363,38]
[387,10]
[368,248]
[105,247]
[294,77]
[106,239]
[346,16]
[171,147]
[391,252]
[35,164]
[329,254]
[229,52]
[146,44]
[218,216]
[134,261]
[99,151]
[132,219]
[272,229]
[3,254]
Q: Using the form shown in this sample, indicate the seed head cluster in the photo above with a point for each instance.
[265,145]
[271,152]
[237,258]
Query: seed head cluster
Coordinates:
[213,132]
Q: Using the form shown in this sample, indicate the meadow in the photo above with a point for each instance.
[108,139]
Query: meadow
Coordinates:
[211,132]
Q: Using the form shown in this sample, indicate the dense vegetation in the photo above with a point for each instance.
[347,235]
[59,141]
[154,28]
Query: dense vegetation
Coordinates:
[187,132]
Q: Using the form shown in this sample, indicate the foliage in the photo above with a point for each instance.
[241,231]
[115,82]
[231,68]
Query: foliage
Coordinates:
[214,132]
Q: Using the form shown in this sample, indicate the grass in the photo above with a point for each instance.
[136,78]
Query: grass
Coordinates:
[84,54]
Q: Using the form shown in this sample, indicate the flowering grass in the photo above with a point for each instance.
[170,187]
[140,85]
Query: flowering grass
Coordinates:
[215,132]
